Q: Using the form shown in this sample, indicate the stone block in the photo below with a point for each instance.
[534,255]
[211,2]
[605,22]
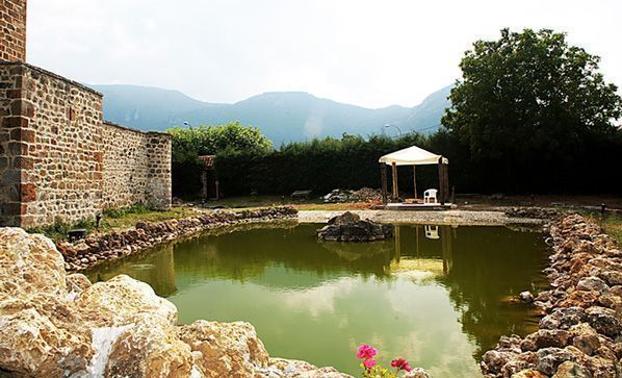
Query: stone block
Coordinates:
[28,192]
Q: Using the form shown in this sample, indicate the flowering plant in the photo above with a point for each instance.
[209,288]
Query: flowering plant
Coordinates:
[371,369]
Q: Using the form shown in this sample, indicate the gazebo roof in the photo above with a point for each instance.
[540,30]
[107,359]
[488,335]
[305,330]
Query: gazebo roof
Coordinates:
[412,156]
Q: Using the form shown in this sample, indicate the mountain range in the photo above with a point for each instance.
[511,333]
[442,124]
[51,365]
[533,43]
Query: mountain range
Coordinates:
[281,116]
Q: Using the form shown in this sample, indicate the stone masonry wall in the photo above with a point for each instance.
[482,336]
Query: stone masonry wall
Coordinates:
[60,162]
[13,30]
[137,168]
[10,173]
[62,170]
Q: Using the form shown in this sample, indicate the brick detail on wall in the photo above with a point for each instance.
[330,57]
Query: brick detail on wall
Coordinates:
[13,30]
[59,162]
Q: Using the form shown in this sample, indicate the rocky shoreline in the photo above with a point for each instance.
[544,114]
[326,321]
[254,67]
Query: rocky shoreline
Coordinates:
[96,249]
[56,324]
[581,335]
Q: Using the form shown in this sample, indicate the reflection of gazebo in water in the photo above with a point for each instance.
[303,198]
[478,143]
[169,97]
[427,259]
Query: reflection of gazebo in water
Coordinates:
[435,266]
[414,156]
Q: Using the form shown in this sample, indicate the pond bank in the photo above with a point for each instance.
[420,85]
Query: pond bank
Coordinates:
[95,249]
[580,335]
[448,217]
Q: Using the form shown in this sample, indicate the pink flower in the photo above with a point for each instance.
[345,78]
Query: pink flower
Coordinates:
[366,352]
[401,364]
[369,363]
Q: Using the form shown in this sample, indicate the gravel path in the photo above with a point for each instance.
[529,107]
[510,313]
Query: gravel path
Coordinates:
[447,217]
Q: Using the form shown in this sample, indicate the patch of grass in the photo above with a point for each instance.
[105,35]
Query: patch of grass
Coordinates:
[613,226]
[115,219]
[611,223]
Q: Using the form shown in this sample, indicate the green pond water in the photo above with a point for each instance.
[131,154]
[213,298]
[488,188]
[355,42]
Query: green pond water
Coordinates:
[436,296]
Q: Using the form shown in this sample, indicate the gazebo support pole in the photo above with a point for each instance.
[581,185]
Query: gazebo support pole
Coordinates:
[441,185]
[396,194]
[415,180]
[383,182]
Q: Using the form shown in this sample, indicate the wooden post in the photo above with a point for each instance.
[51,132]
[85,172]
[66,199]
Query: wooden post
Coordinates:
[441,186]
[383,179]
[415,180]
[396,194]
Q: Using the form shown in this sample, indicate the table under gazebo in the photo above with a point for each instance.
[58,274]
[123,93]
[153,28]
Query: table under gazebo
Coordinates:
[413,156]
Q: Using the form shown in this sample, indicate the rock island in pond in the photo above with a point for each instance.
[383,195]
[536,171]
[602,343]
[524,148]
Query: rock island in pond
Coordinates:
[348,227]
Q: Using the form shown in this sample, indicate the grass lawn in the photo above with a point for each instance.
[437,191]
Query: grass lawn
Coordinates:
[612,225]
[117,219]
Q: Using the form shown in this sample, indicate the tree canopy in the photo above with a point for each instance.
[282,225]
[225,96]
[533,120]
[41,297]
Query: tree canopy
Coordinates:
[191,142]
[530,99]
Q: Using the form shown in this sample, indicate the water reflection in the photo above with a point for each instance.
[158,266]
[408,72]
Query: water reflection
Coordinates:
[433,293]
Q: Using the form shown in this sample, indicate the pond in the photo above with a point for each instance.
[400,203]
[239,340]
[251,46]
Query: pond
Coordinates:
[438,296]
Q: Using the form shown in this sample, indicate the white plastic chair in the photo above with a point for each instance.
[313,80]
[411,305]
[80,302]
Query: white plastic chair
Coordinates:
[429,196]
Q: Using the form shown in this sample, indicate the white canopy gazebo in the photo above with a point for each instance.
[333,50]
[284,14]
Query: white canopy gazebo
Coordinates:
[414,156]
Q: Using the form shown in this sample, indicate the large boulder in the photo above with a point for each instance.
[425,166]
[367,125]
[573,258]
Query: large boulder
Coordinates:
[149,347]
[116,301]
[227,349]
[29,264]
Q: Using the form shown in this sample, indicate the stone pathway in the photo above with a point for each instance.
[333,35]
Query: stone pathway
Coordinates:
[448,217]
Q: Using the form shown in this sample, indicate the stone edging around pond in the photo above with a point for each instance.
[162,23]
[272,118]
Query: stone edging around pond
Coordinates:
[96,249]
[581,335]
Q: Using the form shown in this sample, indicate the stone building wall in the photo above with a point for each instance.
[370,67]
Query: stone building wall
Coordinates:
[60,162]
[13,30]
[10,173]
[137,167]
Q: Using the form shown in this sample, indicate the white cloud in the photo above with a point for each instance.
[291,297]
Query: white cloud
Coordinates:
[365,52]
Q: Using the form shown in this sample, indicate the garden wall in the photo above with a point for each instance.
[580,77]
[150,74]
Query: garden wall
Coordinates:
[61,162]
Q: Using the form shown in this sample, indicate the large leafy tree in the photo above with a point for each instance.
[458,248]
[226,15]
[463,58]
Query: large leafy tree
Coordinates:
[191,142]
[529,107]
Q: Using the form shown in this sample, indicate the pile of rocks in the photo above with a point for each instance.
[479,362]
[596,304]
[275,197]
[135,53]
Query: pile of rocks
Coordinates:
[348,227]
[582,332]
[363,194]
[54,324]
[98,248]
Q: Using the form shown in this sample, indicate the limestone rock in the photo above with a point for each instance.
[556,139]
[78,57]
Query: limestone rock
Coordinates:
[116,301]
[585,338]
[149,348]
[529,373]
[76,284]
[571,369]
[604,320]
[29,264]
[32,345]
[228,349]
[545,338]
[285,368]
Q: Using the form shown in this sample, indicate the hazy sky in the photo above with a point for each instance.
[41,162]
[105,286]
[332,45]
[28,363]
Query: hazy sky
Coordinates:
[369,53]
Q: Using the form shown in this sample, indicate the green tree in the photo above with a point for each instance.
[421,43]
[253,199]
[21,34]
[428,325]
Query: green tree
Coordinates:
[529,107]
[189,143]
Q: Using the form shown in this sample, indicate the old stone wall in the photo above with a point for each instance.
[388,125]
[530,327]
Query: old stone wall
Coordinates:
[10,149]
[59,162]
[137,167]
[62,158]
[13,30]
